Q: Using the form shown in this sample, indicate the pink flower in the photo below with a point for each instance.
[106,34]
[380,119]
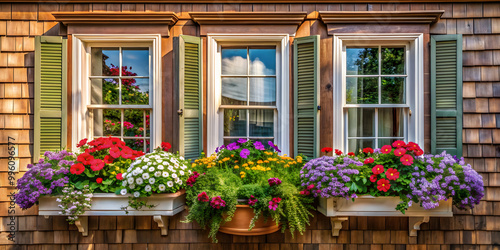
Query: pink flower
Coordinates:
[386,149]
[369,160]
[399,152]
[128,125]
[406,160]
[252,200]
[114,152]
[203,197]
[217,202]
[274,181]
[273,204]
[96,164]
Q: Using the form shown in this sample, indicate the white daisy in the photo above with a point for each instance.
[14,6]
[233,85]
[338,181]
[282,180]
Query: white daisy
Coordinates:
[124,183]
[181,172]
[157,174]
[165,163]
[174,176]
[151,180]
[151,169]
[134,173]
[164,174]
[146,159]
[150,163]
[170,184]
[123,191]
[161,187]
[139,181]
[182,158]
[131,186]
[161,167]
[130,180]
[147,188]
[137,194]
[145,176]
[124,175]
[144,167]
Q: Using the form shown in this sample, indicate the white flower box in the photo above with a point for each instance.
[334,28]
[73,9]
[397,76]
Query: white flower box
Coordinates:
[111,205]
[339,209]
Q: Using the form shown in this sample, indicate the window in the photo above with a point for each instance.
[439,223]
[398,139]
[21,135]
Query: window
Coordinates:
[116,89]
[248,97]
[120,97]
[379,79]
[247,89]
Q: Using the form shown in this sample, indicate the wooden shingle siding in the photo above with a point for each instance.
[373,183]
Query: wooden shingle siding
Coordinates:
[479,23]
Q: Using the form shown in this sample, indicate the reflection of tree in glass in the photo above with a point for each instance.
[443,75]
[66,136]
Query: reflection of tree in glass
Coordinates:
[367,61]
[131,94]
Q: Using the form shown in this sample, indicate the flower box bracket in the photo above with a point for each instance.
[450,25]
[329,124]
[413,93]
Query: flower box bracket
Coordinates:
[162,222]
[339,210]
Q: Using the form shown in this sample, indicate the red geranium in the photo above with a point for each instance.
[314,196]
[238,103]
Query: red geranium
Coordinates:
[203,197]
[398,144]
[407,160]
[99,180]
[326,150]
[419,152]
[383,185]
[369,160]
[114,152]
[378,169]
[85,158]
[392,174]
[165,146]
[77,168]
[412,146]
[96,164]
[108,159]
[350,153]
[399,152]
[386,149]
[119,176]
[82,143]
[373,178]
[368,150]
[338,152]
[127,153]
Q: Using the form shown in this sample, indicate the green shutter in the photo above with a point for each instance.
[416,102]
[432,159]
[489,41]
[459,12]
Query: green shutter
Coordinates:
[50,95]
[446,94]
[190,98]
[306,96]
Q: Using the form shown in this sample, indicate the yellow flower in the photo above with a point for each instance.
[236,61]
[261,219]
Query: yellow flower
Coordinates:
[259,162]
[226,159]
[250,163]
[268,168]
[244,165]
[247,168]
[266,161]
[220,161]
[193,165]
[236,161]
[232,155]
[236,167]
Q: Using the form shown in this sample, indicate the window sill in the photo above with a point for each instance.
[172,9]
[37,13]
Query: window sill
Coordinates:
[110,205]
[339,209]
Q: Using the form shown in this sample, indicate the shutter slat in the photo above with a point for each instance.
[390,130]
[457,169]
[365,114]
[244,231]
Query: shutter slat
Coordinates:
[306,63]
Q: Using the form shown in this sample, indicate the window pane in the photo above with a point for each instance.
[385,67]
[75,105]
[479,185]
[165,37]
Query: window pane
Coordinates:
[105,61]
[393,61]
[234,61]
[362,90]
[362,61]
[234,91]
[228,141]
[135,61]
[361,122]
[133,123]
[148,128]
[393,90]
[356,144]
[138,144]
[261,122]
[390,122]
[262,61]
[235,122]
[104,91]
[106,122]
[135,91]
[263,91]
[382,142]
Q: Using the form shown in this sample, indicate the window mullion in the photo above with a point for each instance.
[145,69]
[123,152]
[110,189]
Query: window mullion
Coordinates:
[120,75]
[121,123]
[376,128]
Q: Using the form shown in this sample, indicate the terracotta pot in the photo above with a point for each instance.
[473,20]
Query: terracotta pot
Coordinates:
[241,222]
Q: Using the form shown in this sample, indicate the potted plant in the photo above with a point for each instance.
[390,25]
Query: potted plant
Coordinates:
[395,180]
[247,189]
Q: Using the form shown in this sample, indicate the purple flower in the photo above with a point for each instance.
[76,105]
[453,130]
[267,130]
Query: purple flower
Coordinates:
[274,146]
[244,153]
[242,140]
[220,148]
[258,145]
[233,146]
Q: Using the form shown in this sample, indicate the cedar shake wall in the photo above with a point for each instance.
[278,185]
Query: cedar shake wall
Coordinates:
[477,229]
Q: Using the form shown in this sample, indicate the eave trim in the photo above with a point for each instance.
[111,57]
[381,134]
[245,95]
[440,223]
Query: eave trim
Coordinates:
[168,18]
[248,18]
[379,17]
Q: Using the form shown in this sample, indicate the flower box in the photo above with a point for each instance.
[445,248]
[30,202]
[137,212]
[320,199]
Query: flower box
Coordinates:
[111,205]
[240,223]
[338,209]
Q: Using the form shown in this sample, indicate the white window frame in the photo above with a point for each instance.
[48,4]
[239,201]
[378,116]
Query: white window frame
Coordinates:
[81,115]
[215,123]
[414,127]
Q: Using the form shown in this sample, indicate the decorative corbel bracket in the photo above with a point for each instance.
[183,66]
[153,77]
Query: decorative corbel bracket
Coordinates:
[83,225]
[162,222]
[337,224]
[414,224]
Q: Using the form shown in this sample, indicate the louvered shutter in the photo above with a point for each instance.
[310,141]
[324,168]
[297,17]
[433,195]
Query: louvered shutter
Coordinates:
[306,95]
[446,94]
[190,98]
[50,95]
